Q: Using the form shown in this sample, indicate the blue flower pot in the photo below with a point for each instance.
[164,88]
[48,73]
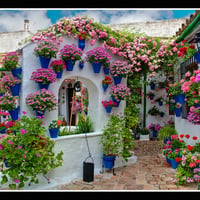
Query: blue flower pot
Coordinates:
[197,57]
[152,86]
[14,113]
[178,111]
[15,89]
[44,62]
[96,67]
[106,70]
[39,114]
[117,79]
[155,133]
[3,131]
[174,163]
[59,74]
[180,98]
[81,65]
[81,43]
[16,72]
[108,109]
[70,65]
[117,102]
[105,86]
[160,103]
[166,139]
[54,132]
[43,86]
[108,161]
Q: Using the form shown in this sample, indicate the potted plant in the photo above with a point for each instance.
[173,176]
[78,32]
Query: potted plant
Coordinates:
[176,92]
[11,62]
[144,134]
[58,66]
[28,153]
[160,100]
[173,155]
[153,111]
[2,128]
[194,115]
[113,140]
[9,103]
[154,128]
[105,82]
[54,128]
[119,92]
[98,57]
[43,77]
[152,84]
[177,109]
[70,54]
[150,95]
[165,133]
[108,105]
[41,101]
[12,83]
[119,69]
[45,50]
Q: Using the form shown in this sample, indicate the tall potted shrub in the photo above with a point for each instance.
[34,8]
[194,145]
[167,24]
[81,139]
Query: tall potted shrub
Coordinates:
[28,153]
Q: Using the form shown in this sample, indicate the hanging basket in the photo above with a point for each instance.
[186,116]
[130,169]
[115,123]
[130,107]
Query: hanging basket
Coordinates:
[81,43]
[96,67]
[16,72]
[14,113]
[70,65]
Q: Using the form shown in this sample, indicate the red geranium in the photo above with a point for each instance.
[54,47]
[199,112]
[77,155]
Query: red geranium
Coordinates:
[187,136]
[181,135]
[189,147]
[178,159]
[194,138]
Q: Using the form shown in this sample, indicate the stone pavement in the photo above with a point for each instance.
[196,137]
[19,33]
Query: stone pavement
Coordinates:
[150,172]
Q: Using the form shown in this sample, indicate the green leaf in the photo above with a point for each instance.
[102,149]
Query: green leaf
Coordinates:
[12,186]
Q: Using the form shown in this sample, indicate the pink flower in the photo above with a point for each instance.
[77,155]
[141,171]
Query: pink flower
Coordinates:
[38,155]
[16,181]
[23,131]
[24,112]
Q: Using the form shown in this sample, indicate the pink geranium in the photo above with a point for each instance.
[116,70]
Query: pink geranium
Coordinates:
[120,92]
[44,76]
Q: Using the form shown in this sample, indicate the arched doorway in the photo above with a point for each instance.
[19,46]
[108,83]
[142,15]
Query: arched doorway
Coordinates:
[71,101]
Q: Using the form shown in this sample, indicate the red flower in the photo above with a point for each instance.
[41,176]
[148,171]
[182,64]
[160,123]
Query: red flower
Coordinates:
[194,138]
[190,147]
[192,164]
[187,136]
[178,159]
[192,46]
[181,135]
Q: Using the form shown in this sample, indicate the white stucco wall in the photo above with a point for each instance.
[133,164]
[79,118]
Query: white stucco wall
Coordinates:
[92,81]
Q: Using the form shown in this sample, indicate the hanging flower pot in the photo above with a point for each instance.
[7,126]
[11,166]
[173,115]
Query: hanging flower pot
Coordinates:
[44,62]
[15,89]
[40,114]
[177,112]
[116,101]
[117,79]
[14,113]
[108,161]
[70,65]
[16,71]
[105,86]
[54,132]
[152,86]
[108,109]
[180,98]
[59,74]
[96,67]
[81,65]
[43,86]
[81,43]
[106,70]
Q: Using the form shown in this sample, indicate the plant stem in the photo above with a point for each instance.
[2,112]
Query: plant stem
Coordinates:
[144,100]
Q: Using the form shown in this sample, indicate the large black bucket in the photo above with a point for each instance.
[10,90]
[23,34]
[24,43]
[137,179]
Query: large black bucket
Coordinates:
[88,170]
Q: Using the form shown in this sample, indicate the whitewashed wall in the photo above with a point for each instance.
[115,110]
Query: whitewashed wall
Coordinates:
[92,81]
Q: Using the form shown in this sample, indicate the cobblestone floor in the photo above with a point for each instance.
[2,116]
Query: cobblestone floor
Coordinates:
[150,172]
